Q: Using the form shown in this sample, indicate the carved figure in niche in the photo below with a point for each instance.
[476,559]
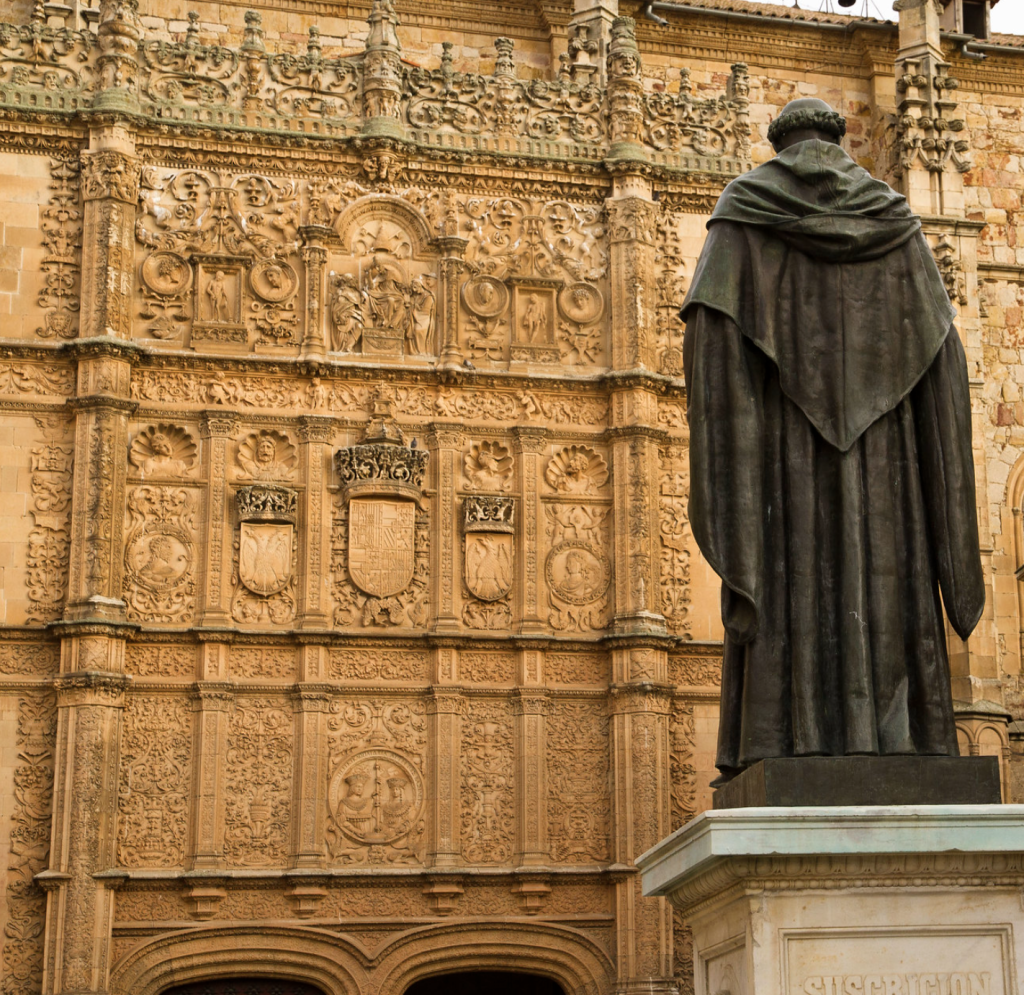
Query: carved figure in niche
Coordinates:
[576,470]
[267,455]
[347,315]
[217,297]
[163,450]
[488,467]
[387,296]
[421,310]
[533,319]
[316,395]
[489,564]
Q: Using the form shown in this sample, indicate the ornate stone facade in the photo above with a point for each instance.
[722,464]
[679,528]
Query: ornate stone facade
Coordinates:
[353,623]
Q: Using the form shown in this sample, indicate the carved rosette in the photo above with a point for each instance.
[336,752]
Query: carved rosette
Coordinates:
[265,563]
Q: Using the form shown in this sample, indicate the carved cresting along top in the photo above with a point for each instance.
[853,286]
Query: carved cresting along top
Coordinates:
[48,71]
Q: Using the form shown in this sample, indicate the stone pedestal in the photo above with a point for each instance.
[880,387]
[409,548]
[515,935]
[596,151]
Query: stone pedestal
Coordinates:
[902,900]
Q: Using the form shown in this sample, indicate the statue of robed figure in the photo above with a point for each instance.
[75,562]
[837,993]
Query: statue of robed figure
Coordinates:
[832,478]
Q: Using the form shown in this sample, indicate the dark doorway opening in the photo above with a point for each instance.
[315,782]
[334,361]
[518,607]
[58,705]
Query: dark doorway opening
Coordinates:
[486,983]
[244,986]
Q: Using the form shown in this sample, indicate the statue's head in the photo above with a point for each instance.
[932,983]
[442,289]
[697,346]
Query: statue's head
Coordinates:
[804,119]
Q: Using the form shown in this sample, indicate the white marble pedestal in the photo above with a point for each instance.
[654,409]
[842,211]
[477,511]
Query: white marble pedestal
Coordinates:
[908,900]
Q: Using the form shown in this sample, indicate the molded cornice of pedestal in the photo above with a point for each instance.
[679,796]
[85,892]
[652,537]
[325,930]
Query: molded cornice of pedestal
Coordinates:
[790,848]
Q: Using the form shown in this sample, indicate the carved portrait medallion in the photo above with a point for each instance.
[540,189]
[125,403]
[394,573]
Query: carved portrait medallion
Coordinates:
[489,564]
[381,545]
[159,560]
[273,280]
[577,572]
[166,273]
[581,303]
[265,557]
[485,296]
[376,797]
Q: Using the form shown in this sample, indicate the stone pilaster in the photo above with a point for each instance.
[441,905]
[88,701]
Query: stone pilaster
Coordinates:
[110,189]
[640,806]
[450,267]
[310,793]
[529,709]
[212,703]
[96,560]
[637,548]
[446,443]
[218,428]
[444,711]
[314,258]
[529,446]
[80,909]
[316,433]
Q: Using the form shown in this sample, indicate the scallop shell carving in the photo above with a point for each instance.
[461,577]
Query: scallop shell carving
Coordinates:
[163,451]
[576,470]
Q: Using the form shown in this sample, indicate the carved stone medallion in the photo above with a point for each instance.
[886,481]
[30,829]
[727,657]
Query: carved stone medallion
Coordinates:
[581,303]
[159,560]
[265,557]
[273,280]
[376,797]
[485,296]
[577,572]
[381,545]
[167,273]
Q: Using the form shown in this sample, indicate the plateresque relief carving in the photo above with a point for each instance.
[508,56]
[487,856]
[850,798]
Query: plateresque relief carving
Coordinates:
[577,568]
[49,539]
[489,543]
[265,558]
[487,783]
[156,781]
[488,467]
[576,470]
[266,455]
[163,451]
[383,294]
[159,556]
[376,793]
[675,537]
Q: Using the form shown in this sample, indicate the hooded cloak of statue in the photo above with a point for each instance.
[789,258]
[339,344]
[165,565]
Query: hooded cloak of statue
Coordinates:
[832,475]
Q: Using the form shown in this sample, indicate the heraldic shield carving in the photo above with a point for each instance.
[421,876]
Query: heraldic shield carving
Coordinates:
[265,557]
[381,544]
[488,524]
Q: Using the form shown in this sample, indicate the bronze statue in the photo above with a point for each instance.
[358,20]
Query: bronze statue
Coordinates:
[832,476]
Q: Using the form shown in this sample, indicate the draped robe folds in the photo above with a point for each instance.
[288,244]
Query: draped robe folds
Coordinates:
[832,476]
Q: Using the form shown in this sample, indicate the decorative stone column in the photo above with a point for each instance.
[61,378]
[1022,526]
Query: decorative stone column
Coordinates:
[316,433]
[451,263]
[382,74]
[445,707]
[218,428]
[315,344]
[640,805]
[118,34]
[632,232]
[446,443]
[529,446]
[84,840]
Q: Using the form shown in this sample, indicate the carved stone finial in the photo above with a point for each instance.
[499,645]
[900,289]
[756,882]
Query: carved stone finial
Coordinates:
[503,64]
[253,38]
[383,429]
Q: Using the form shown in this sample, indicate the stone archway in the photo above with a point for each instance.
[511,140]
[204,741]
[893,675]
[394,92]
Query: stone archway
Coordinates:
[491,982]
[244,986]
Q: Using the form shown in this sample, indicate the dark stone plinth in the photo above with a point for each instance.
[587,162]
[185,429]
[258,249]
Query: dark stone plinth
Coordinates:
[796,781]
